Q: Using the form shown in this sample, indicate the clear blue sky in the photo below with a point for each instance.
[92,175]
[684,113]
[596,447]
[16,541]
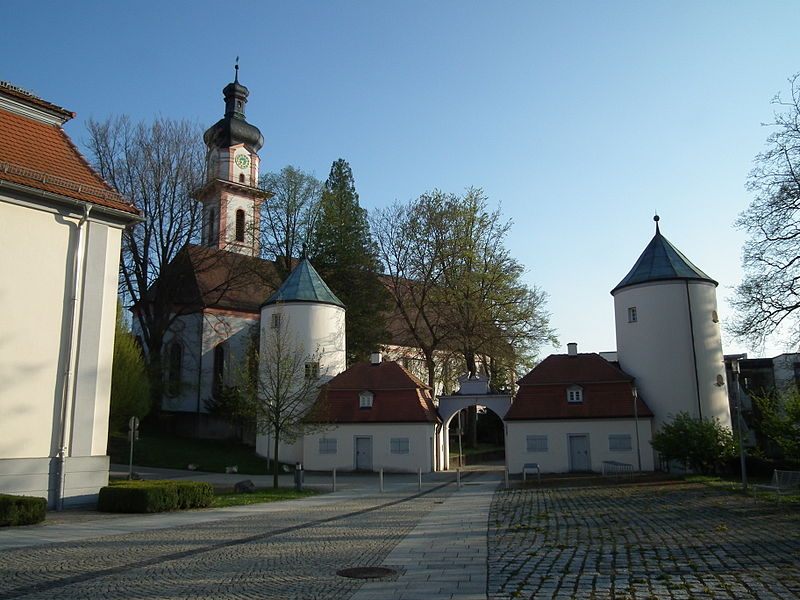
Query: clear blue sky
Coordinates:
[581,119]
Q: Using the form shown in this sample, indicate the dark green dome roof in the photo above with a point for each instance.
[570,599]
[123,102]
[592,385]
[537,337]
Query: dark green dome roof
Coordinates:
[661,261]
[304,285]
[233,129]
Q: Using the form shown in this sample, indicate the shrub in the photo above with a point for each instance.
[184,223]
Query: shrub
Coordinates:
[21,510]
[154,496]
[702,445]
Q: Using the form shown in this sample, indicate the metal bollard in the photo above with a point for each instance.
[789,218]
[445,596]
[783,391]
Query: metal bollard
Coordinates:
[458,478]
[419,479]
[298,477]
[505,476]
[380,477]
[334,481]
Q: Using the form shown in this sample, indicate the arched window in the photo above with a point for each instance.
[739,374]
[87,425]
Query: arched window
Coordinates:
[174,369]
[241,177]
[240,225]
[574,394]
[218,372]
[210,227]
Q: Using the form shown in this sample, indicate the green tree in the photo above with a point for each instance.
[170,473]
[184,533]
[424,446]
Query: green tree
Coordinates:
[702,445]
[779,420]
[344,253]
[768,298]
[130,387]
[289,215]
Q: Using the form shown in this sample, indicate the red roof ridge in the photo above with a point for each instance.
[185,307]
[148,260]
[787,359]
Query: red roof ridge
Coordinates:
[23,94]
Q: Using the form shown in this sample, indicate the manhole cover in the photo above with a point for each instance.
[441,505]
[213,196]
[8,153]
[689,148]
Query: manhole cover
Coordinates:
[367,573]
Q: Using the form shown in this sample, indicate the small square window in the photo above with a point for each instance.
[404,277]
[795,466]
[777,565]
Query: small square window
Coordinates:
[619,442]
[365,399]
[327,445]
[275,323]
[536,443]
[632,316]
[312,370]
[399,446]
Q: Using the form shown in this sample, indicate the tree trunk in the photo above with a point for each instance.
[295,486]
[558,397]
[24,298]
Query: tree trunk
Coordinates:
[275,463]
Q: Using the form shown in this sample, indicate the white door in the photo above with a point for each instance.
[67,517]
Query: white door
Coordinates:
[579,453]
[363,453]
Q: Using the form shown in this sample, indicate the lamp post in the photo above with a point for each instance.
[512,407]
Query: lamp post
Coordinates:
[739,420]
[636,424]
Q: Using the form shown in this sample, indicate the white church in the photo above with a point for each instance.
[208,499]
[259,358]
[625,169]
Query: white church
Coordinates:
[572,413]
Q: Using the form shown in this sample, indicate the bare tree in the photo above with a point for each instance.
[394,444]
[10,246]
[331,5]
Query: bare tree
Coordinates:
[284,389]
[289,214]
[768,298]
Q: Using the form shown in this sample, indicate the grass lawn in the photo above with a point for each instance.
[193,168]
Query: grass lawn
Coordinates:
[172,452]
[223,499]
[479,449]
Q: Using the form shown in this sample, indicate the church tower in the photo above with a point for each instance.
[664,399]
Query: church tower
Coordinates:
[230,197]
[668,334]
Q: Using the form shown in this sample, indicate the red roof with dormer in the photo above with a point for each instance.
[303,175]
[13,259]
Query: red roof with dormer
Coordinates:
[397,396]
[38,154]
[606,391]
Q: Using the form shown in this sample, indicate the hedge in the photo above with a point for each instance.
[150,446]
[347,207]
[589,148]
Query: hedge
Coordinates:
[21,510]
[154,496]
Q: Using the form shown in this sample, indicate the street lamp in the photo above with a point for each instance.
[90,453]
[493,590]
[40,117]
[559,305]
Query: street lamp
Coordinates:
[636,422]
[739,420]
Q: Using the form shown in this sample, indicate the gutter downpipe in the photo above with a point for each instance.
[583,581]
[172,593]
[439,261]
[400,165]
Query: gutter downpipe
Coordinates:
[67,402]
[694,351]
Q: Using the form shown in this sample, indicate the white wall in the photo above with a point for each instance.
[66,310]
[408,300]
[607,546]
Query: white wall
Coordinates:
[420,456]
[556,459]
[657,349]
[37,263]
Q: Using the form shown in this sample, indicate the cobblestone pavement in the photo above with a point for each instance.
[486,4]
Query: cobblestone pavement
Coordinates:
[676,541]
[272,555]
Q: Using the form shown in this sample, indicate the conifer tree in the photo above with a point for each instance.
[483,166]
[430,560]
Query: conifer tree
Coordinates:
[345,255]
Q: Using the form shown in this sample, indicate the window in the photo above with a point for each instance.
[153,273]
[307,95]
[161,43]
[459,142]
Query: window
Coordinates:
[536,443]
[240,225]
[275,323]
[327,445]
[575,394]
[174,369]
[312,370]
[210,227]
[218,372]
[241,177]
[632,316]
[619,442]
[399,446]
[714,316]
[365,399]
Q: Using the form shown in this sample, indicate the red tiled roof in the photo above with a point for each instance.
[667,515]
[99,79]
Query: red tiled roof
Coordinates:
[607,392]
[577,368]
[398,396]
[42,156]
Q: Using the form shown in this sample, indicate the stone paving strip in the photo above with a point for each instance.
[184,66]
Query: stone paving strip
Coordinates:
[286,554]
[669,541]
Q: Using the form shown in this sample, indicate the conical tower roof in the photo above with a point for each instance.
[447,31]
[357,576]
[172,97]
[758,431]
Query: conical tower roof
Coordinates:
[661,261]
[304,284]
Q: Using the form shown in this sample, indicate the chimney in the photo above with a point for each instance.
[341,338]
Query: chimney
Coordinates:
[375,358]
[572,349]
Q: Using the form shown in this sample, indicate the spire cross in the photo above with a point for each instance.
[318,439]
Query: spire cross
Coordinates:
[236,67]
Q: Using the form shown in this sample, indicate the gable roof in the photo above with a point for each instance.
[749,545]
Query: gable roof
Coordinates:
[36,153]
[572,369]
[661,261]
[304,284]
[398,396]
[607,392]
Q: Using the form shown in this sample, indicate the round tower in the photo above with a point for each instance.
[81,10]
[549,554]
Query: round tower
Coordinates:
[668,334]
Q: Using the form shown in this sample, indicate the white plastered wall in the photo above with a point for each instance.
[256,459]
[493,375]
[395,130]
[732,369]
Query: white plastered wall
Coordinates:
[421,442]
[557,460]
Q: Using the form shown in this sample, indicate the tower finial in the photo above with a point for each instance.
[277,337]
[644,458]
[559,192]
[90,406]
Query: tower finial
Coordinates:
[236,69]
[656,218]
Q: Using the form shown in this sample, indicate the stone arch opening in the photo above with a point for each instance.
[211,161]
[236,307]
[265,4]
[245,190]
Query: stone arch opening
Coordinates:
[490,438]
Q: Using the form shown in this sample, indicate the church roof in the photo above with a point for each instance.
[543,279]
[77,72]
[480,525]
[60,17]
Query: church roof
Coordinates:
[304,284]
[36,153]
[661,261]
[397,396]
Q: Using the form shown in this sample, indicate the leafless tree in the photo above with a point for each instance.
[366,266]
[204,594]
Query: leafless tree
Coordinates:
[768,298]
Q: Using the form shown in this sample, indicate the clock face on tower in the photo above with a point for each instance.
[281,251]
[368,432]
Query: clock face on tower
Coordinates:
[242,161]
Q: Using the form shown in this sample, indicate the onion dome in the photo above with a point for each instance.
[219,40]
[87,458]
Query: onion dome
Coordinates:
[233,129]
[662,261]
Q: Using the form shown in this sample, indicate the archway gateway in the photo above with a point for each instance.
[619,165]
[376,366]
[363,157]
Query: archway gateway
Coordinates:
[474,391]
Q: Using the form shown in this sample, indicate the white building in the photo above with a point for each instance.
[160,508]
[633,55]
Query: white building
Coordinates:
[60,230]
